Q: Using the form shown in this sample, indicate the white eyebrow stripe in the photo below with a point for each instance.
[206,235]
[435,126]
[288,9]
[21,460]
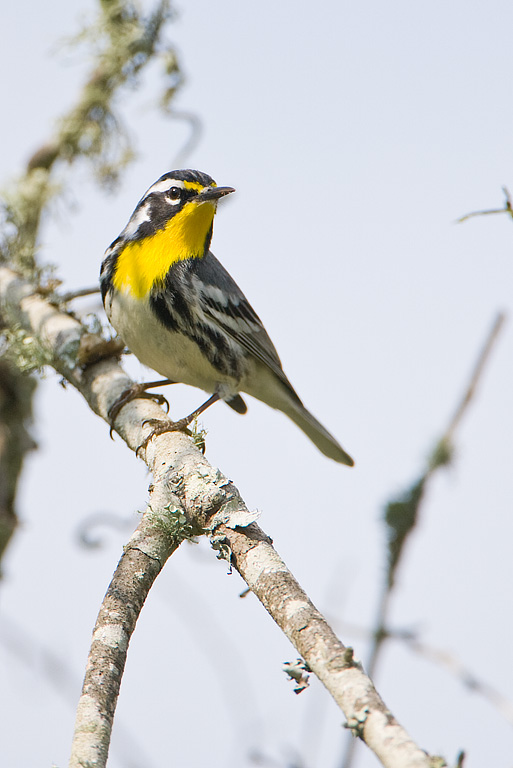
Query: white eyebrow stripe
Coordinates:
[164,185]
[138,218]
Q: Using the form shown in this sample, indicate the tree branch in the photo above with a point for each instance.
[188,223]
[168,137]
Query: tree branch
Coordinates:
[412,639]
[125,42]
[508,208]
[188,496]
[141,562]
[402,514]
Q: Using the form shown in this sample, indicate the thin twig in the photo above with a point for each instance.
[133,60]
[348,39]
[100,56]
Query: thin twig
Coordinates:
[402,514]
[442,658]
[475,376]
[64,298]
[192,141]
[506,209]
[464,675]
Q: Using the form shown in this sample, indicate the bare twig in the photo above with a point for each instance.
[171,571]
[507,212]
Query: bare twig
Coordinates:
[506,209]
[196,128]
[464,675]
[475,377]
[443,658]
[85,534]
[402,514]
[64,298]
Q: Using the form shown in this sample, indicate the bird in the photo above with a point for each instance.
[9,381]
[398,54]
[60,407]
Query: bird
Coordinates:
[179,311]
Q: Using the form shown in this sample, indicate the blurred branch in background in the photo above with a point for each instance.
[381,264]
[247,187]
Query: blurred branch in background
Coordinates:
[467,678]
[196,129]
[16,389]
[442,658]
[88,534]
[507,209]
[124,42]
[54,669]
[402,514]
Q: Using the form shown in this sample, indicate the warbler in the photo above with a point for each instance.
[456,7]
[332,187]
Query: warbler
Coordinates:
[179,311]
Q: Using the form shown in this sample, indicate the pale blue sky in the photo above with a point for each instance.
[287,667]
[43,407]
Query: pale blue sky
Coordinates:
[355,135]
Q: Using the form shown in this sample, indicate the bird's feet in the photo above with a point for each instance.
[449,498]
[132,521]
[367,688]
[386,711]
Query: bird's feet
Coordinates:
[175,426]
[133,392]
[160,427]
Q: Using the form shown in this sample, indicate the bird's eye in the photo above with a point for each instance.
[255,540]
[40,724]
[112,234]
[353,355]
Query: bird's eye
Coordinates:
[174,194]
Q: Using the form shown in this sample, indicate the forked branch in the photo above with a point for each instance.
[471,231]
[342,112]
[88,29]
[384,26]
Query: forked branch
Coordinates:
[187,496]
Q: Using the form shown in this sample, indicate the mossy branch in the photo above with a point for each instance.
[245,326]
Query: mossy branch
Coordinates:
[125,42]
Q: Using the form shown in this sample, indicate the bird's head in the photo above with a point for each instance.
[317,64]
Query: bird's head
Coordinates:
[182,202]
[172,222]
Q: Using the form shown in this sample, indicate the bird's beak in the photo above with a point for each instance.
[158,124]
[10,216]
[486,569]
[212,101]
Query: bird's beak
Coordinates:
[213,193]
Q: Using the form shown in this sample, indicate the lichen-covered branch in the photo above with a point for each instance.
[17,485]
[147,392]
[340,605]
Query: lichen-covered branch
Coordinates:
[124,41]
[187,488]
[367,715]
[141,562]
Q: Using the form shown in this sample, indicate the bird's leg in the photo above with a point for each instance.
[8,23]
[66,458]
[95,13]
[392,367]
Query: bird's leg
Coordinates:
[194,415]
[175,426]
[137,390]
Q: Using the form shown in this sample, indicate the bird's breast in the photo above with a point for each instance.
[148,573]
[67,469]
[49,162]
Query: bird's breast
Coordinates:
[171,353]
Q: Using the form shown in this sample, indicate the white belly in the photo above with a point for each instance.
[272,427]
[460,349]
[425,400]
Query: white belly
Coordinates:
[171,354]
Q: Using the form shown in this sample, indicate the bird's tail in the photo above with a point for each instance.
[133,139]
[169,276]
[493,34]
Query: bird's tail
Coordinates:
[280,394]
[319,436]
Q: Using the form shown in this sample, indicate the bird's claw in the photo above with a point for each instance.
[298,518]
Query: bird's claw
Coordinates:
[133,392]
[161,427]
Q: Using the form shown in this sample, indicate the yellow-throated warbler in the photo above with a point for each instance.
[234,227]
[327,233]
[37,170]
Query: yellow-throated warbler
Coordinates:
[179,311]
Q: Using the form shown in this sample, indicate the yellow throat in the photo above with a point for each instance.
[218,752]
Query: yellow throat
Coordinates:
[144,262]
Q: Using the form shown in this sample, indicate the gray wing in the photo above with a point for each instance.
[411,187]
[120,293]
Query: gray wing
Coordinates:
[224,304]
